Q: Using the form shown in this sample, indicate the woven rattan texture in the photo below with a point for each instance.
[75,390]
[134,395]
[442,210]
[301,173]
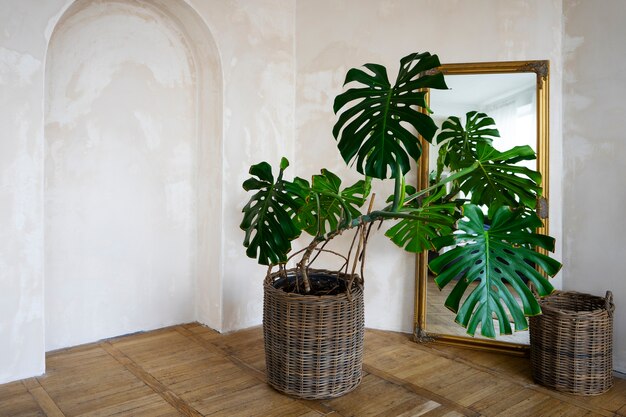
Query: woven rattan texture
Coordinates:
[571,343]
[313,344]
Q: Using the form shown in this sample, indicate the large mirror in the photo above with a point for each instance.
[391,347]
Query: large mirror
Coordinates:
[515,95]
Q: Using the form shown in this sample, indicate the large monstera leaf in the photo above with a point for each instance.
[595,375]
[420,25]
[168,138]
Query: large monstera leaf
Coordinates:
[497,180]
[421,224]
[373,128]
[492,264]
[329,207]
[459,143]
[269,215]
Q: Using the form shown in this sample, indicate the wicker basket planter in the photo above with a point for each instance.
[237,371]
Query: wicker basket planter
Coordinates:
[571,343]
[313,344]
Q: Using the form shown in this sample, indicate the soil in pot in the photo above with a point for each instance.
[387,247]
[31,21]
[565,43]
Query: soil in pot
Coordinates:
[321,284]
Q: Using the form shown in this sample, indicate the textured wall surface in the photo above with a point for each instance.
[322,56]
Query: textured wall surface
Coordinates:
[256,48]
[594,86]
[256,42]
[22,52]
[120,143]
[241,113]
[333,36]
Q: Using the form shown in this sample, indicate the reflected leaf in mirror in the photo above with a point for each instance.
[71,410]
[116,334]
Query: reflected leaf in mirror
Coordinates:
[458,143]
[498,181]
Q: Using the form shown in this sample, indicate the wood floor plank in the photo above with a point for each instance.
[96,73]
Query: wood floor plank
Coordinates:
[522,408]
[410,408]
[552,408]
[16,401]
[147,406]
[612,400]
[419,390]
[97,385]
[442,411]
[502,396]
[213,380]
[160,389]
[48,406]
[516,370]
[191,370]
[252,400]
[469,390]
[389,396]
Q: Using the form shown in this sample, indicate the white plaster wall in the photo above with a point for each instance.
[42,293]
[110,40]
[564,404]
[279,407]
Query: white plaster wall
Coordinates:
[256,41]
[594,88]
[333,36]
[22,52]
[120,172]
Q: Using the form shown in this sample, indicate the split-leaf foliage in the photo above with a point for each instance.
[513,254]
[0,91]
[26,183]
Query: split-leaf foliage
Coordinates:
[479,206]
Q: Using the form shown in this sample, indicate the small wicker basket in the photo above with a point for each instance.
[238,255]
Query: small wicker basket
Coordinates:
[571,343]
[313,344]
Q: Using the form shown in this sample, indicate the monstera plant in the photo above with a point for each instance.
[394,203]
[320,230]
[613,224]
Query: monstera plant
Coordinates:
[480,204]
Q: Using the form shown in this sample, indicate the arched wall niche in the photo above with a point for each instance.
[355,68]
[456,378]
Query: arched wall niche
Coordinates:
[133,170]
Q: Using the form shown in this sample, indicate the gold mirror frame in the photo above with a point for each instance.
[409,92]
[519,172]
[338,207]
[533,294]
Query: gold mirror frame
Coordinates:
[542,71]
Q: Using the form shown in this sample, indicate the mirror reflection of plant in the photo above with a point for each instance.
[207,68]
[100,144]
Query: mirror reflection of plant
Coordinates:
[497,180]
[458,144]
[377,131]
[496,183]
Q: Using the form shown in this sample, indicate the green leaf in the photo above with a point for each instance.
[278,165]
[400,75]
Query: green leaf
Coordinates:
[328,206]
[374,128]
[269,214]
[415,232]
[498,182]
[459,143]
[492,264]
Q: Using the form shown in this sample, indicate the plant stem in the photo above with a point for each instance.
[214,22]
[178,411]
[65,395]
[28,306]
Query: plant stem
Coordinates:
[452,177]
[389,212]
[398,192]
[302,265]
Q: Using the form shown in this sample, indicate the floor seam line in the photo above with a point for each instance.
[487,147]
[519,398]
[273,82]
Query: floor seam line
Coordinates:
[155,385]
[324,409]
[531,386]
[420,391]
[44,400]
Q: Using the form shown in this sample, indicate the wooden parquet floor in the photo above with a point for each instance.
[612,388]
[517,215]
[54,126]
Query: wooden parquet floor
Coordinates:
[190,370]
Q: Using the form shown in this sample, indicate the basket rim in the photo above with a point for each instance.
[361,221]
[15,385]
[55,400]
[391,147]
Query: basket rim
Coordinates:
[357,285]
[603,305]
